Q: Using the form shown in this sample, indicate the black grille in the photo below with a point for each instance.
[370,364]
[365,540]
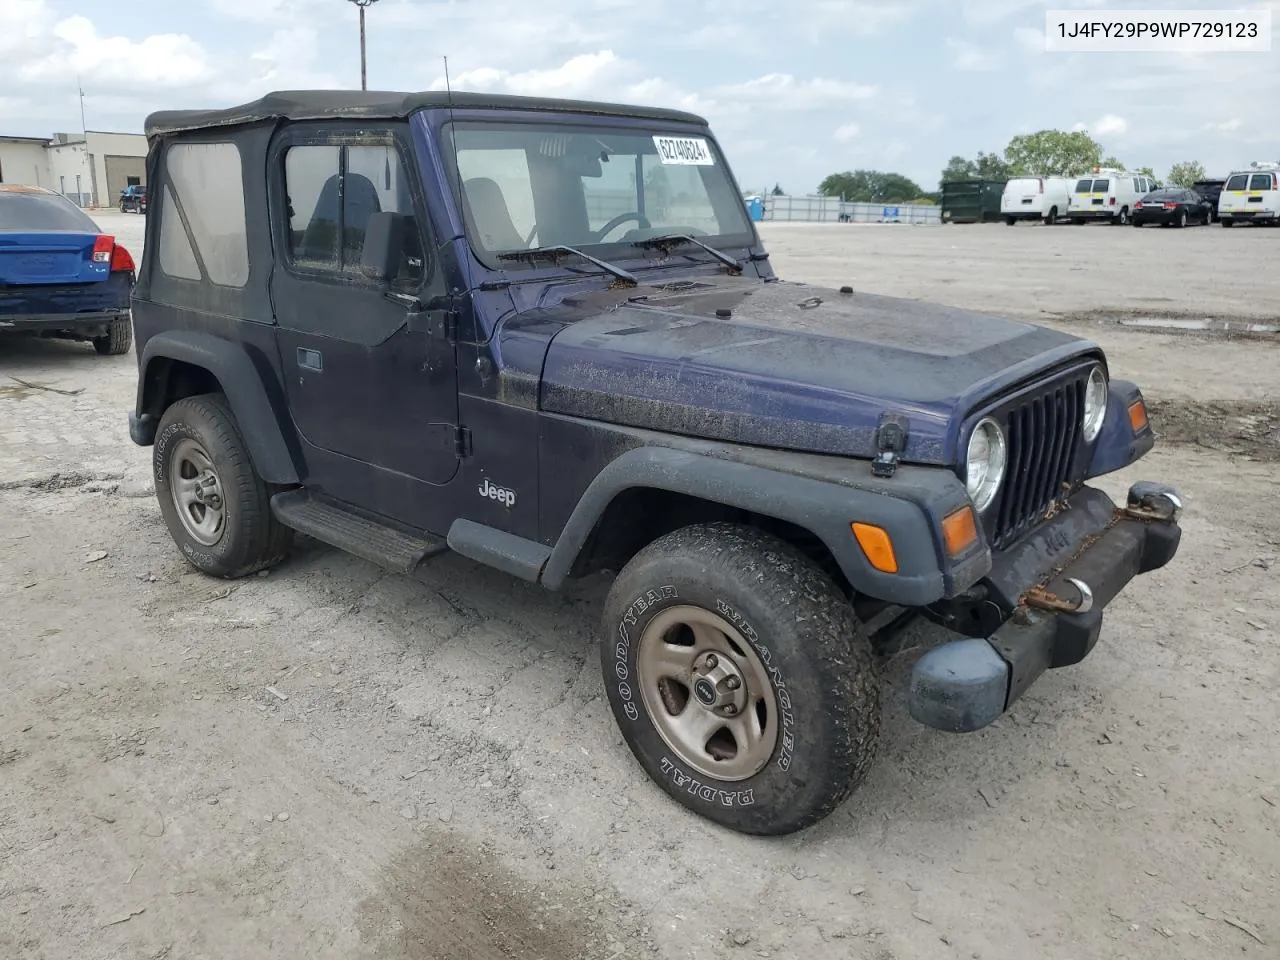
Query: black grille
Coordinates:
[1044,434]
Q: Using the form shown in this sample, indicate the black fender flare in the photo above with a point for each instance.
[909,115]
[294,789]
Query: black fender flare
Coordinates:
[241,383]
[823,508]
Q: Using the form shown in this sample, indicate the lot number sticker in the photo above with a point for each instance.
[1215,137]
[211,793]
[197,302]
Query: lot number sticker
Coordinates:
[684,151]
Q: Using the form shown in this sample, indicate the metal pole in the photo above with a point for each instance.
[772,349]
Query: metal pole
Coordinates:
[363,81]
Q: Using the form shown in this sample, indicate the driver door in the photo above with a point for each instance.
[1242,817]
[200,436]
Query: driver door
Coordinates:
[372,399]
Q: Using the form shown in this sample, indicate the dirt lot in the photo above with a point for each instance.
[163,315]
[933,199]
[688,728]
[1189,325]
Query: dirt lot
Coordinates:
[331,762]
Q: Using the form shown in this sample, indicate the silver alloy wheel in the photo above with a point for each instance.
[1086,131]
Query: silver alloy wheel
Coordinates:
[197,492]
[707,693]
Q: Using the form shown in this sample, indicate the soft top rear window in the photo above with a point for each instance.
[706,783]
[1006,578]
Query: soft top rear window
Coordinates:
[1239,181]
[42,211]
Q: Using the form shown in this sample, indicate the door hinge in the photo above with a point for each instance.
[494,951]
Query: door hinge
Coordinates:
[443,324]
[462,441]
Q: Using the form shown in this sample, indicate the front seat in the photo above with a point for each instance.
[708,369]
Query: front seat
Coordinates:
[319,241]
[490,217]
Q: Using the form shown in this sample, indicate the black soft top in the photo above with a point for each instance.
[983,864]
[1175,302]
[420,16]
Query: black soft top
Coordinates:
[378,105]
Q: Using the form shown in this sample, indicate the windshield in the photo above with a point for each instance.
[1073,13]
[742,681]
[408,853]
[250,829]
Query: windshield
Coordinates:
[528,186]
[20,210]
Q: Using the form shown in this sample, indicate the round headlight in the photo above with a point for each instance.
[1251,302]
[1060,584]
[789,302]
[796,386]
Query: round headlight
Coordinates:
[1095,404]
[984,470]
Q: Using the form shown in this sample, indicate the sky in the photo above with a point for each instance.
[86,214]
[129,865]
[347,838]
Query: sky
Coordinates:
[794,89]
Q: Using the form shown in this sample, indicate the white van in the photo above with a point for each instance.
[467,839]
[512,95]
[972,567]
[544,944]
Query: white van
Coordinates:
[1107,194]
[1035,198]
[1252,194]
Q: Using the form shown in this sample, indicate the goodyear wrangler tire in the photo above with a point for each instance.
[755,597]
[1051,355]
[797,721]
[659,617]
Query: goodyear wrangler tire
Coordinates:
[740,678]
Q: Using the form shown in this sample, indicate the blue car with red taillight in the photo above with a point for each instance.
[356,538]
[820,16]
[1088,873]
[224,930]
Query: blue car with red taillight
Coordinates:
[60,275]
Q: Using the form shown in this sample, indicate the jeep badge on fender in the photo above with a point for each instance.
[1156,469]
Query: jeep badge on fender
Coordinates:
[504,496]
[761,463]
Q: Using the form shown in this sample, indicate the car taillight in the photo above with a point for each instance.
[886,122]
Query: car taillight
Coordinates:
[121,261]
[1171,206]
[1042,184]
[102,248]
[1138,205]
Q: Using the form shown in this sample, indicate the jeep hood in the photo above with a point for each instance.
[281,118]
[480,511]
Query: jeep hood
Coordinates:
[788,365]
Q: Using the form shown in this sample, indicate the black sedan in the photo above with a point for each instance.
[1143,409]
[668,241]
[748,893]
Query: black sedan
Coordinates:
[1172,207]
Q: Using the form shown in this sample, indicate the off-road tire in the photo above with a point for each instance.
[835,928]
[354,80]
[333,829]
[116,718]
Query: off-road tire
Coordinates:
[117,340]
[823,674]
[252,538]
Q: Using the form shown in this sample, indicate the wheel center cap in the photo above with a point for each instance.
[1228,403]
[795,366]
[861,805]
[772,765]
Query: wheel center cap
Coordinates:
[705,691]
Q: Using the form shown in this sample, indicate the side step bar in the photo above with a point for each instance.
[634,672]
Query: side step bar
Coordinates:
[340,527]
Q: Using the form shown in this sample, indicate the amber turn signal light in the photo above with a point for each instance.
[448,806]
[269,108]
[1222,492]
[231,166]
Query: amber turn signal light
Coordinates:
[1138,416]
[959,531]
[877,546]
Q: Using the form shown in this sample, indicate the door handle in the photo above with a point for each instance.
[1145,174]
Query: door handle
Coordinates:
[310,359]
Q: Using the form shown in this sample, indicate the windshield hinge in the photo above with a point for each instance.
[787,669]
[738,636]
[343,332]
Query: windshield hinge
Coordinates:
[891,441]
[442,324]
[462,441]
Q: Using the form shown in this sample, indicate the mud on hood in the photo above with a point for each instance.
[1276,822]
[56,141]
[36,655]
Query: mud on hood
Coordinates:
[789,365]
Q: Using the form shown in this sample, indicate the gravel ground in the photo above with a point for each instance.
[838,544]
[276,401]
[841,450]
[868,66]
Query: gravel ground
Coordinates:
[333,762]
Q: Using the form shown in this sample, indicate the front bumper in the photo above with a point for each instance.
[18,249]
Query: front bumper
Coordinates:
[1057,582]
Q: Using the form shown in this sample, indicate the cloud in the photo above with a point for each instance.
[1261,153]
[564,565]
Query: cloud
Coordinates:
[76,47]
[969,57]
[846,132]
[576,77]
[1111,126]
[1029,39]
[782,90]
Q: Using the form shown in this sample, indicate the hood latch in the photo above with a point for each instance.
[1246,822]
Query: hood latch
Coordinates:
[891,441]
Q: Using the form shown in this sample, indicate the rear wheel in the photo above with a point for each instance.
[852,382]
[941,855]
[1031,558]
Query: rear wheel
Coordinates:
[740,678]
[1051,217]
[216,507]
[117,340]
[1122,218]
[1182,218]
[1228,222]
[1010,222]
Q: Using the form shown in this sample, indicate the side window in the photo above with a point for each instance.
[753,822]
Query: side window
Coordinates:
[332,192]
[311,184]
[205,181]
[177,259]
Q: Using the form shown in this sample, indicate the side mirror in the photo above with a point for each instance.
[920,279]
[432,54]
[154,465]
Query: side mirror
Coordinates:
[384,239]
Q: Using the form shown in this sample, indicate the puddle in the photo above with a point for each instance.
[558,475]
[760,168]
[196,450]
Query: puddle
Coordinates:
[443,900]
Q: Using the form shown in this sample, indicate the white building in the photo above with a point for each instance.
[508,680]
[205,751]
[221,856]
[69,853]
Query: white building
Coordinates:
[91,168]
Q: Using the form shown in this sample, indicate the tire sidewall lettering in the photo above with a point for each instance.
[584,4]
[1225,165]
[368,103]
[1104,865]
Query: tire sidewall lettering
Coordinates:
[622,649]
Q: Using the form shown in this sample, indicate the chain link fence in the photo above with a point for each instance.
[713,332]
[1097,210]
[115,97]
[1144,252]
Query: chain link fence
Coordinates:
[834,210]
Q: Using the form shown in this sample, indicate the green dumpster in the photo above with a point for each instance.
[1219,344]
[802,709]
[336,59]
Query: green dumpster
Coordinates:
[972,201]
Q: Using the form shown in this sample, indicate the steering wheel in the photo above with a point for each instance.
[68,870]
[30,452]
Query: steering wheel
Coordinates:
[620,219]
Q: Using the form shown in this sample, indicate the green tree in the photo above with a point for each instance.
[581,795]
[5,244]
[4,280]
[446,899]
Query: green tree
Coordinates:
[870,186]
[958,168]
[1186,173]
[778,191]
[990,166]
[1112,162]
[1052,152]
[1146,172]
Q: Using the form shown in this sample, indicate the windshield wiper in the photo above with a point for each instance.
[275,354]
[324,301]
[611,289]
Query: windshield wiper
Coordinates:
[675,239]
[556,251]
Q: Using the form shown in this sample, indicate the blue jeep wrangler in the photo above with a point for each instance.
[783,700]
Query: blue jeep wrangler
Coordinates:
[544,334]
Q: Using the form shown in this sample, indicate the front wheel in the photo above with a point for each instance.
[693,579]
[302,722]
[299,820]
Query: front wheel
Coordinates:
[217,509]
[740,678]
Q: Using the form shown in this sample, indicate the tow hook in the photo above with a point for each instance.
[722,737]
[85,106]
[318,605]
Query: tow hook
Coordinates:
[1153,501]
[1042,599]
